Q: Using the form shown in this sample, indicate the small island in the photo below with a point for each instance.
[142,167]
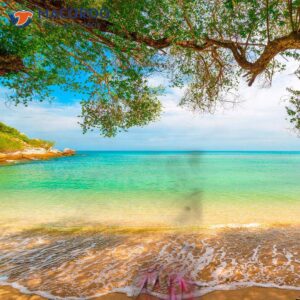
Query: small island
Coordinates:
[16,147]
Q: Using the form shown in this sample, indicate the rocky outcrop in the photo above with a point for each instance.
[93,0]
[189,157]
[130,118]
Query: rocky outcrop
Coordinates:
[33,154]
[15,147]
[68,152]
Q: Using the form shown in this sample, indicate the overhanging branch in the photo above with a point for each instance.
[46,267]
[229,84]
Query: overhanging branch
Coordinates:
[253,69]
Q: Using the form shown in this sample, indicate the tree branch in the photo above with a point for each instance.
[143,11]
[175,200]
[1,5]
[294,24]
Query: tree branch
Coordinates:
[253,69]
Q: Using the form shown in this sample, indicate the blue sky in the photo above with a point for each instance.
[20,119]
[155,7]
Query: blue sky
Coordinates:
[258,122]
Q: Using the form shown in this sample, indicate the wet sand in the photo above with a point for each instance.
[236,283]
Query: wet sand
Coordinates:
[252,293]
[82,265]
[242,294]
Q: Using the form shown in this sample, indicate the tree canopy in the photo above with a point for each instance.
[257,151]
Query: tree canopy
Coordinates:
[207,46]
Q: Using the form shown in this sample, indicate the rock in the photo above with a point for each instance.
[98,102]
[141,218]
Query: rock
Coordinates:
[68,152]
[34,154]
[14,156]
[34,151]
[54,151]
[3,156]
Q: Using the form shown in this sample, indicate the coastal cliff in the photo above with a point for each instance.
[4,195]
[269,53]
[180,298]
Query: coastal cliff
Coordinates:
[17,147]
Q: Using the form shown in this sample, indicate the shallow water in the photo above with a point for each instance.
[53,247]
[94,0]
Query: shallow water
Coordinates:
[95,223]
[151,189]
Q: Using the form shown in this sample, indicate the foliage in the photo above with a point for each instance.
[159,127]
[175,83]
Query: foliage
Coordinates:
[293,109]
[204,45]
[12,140]
[7,144]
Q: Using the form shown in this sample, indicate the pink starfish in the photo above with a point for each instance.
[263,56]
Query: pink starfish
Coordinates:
[177,282]
[147,281]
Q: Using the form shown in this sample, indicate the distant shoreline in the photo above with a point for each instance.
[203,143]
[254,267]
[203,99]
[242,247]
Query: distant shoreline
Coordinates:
[33,155]
[16,147]
[195,151]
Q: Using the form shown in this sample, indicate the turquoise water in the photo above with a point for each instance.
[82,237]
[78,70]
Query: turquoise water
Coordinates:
[82,226]
[153,189]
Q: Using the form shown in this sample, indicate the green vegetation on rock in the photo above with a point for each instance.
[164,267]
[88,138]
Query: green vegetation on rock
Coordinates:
[13,140]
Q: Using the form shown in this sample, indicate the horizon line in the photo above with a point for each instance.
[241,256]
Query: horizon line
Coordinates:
[147,150]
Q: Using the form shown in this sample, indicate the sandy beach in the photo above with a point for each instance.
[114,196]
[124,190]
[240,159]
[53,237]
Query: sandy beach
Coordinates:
[253,293]
[106,262]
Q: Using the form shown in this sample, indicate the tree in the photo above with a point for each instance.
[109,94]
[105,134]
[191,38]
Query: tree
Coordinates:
[206,45]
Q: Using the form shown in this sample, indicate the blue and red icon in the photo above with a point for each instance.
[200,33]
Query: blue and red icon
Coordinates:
[21,18]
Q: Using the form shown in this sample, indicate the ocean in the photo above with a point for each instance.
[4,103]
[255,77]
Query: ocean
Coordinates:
[92,224]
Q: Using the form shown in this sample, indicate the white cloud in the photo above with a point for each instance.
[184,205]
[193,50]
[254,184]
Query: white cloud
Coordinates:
[47,118]
[257,122]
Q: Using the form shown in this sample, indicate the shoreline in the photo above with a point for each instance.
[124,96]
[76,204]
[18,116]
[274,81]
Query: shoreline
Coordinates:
[235,290]
[250,293]
[37,154]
